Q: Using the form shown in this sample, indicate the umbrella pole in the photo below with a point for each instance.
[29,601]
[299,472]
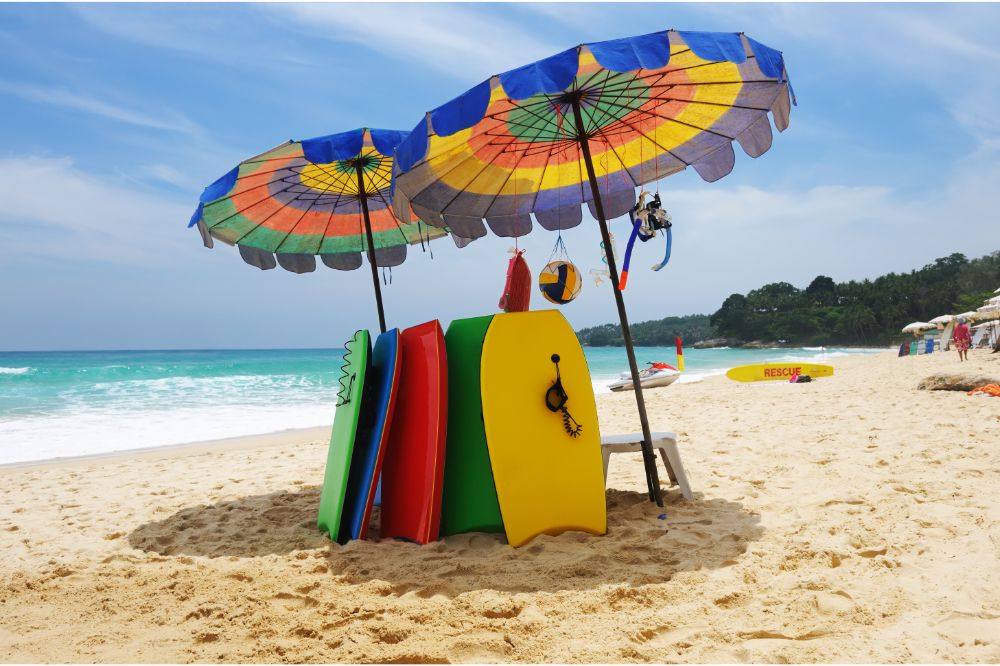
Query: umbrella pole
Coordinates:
[363,197]
[648,459]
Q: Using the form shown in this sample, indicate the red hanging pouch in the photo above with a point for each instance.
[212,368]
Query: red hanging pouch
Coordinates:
[517,290]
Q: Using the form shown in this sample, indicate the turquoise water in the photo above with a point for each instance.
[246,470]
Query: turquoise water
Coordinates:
[55,404]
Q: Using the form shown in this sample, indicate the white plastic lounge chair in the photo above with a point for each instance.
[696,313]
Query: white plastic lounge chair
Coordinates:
[665,442]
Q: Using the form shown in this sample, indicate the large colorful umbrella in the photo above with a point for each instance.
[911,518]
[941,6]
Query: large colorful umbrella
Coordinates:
[588,125]
[328,196]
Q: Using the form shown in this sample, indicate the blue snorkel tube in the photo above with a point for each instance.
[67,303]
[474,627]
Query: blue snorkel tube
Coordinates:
[655,223]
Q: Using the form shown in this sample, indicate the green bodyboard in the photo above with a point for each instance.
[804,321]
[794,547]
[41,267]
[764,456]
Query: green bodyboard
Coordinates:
[350,396]
[469,497]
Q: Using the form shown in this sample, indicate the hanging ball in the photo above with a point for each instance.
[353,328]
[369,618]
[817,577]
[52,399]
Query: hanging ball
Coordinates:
[560,282]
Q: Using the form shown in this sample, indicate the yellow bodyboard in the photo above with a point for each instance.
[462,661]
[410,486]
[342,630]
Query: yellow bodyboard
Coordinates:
[764,372]
[547,481]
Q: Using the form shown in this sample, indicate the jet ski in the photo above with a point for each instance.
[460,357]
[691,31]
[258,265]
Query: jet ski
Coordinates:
[657,374]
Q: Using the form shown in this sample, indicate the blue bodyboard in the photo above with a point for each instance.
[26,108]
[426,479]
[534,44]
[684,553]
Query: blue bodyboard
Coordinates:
[366,464]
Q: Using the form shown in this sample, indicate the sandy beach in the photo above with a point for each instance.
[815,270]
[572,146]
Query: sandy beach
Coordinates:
[851,519]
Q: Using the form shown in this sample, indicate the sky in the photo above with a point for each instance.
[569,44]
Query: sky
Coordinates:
[114,117]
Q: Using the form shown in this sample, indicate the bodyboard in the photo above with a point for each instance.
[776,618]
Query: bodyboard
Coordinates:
[469,500]
[346,420]
[413,469]
[370,444]
[763,372]
[547,481]
[949,330]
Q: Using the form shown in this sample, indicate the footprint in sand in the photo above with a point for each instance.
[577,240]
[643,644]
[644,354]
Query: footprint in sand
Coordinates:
[664,635]
[833,602]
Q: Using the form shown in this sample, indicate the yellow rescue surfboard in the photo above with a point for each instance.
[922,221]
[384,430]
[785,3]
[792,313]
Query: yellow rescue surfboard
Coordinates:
[548,481]
[763,372]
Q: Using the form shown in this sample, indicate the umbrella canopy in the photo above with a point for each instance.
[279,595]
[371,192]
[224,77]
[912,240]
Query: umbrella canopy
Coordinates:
[988,312]
[993,301]
[943,319]
[997,291]
[966,315]
[588,125]
[327,197]
[917,327]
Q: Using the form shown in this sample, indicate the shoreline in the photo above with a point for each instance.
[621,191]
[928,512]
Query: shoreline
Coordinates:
[290,436]
[600,383]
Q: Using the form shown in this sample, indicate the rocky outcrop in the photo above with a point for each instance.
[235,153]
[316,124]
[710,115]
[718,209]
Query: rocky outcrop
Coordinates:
[713,343]
[956,381]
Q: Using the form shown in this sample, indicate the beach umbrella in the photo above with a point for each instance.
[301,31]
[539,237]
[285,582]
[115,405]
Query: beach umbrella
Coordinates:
[587,126]
[917,327]
[988,312]
[943,320]
[997,291]
[327,197]
[966,315]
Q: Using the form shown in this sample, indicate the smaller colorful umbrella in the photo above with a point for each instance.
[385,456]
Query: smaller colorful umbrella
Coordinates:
[328,197]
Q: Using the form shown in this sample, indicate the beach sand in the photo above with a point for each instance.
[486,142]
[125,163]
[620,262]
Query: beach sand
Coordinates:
[851,519]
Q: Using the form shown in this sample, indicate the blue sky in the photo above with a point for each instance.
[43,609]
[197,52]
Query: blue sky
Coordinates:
[116,116]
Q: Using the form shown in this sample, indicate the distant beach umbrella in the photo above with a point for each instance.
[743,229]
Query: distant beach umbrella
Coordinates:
[966,315]
[588,126]
[917,327]
[943,320]
[988,312]
[328,197]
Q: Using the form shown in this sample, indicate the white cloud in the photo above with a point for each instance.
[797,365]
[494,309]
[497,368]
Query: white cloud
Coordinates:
[453,39]
[168,174]
[53,209]
[67,99]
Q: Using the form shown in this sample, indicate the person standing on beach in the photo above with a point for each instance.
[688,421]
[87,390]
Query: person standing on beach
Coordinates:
[962,339]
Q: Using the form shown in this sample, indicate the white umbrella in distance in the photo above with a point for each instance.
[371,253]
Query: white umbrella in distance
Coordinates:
[988,312]
[943,320]
[918,326]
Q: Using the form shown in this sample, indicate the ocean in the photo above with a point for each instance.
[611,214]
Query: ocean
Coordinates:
[57,404]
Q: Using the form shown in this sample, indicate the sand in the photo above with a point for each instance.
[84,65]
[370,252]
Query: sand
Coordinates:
[851,519]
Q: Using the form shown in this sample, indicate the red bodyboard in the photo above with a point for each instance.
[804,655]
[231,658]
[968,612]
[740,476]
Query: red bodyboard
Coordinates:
[413,468]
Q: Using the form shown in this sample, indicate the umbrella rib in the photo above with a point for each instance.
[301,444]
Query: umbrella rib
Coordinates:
[680,122]
[622,161]
[259,224]
[541,177]
[654,142]
[241,212]
[291,231]
[392,215]
[326,230]
[337,178]
[506,121]
[499,191]
[480,171]
[605,114]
